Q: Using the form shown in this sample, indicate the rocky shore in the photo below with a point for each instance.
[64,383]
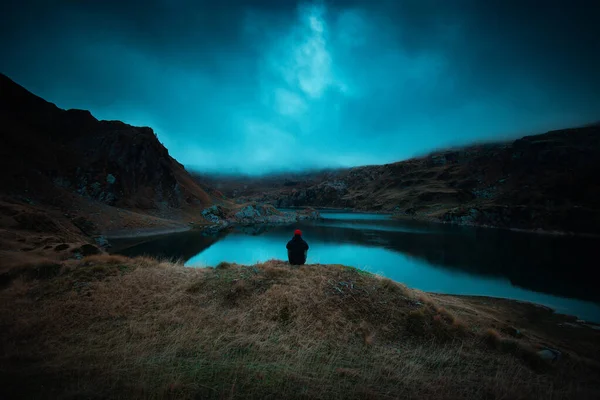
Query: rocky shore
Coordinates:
[254,213]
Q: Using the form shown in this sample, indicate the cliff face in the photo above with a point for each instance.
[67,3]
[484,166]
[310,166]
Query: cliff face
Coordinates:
[546,181]
[48,150]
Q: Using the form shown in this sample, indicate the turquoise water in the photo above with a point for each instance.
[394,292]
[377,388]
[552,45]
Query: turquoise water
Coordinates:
[544,269]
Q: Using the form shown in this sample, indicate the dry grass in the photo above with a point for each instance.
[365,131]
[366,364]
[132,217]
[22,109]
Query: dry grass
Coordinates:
[28,267]
[109,326]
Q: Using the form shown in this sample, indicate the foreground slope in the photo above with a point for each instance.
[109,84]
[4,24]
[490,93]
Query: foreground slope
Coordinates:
[112,327]
[547,181]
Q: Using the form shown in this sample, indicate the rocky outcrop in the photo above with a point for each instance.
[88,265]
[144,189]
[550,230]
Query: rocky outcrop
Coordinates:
[214,214]
[255,213]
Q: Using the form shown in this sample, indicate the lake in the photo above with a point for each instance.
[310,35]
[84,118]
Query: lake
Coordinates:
[553,270]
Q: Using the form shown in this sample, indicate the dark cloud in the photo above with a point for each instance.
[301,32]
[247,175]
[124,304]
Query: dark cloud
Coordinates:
[263,85]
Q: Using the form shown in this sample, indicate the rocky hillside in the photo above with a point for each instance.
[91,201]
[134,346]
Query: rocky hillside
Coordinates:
[69,179]
[546,181]
[254,213]
[48,149]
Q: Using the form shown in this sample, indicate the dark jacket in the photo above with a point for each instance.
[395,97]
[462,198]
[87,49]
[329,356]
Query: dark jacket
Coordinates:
[297,249]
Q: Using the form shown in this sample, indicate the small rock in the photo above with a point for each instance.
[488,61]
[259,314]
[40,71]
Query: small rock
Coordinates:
[569,324]
[102,241]
[548,354]
[512,331]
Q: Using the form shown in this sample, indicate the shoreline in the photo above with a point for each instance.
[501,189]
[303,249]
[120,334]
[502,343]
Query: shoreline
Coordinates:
[571,320]
[535,307]
[539,231]
[144,232]
[156,231]
[348,210]
[133,233]
[437,221]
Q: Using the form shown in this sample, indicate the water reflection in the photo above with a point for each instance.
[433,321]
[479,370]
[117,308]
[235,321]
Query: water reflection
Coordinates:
[431,257]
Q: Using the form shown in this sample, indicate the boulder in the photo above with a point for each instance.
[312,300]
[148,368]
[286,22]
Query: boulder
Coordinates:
[214,214]
[102,241]
[308,214]
[548,354]
[512,331]
[247,212]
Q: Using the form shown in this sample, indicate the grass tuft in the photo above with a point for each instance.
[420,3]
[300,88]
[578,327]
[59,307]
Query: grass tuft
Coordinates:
[224,265]
[393,287]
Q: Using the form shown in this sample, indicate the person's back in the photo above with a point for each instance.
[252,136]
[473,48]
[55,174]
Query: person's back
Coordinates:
[297,249]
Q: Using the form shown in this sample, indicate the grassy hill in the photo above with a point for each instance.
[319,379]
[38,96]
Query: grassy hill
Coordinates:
[113,327]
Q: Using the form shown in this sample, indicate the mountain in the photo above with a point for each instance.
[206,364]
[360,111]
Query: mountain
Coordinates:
[69,175]
[548,181]
[48,148]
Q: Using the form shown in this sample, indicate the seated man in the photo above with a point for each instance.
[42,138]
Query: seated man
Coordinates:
[297,249]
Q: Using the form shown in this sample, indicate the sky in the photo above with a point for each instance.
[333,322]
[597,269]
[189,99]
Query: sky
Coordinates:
[261,86]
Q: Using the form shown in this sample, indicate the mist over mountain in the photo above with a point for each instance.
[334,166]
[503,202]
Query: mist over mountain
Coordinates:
[261,86]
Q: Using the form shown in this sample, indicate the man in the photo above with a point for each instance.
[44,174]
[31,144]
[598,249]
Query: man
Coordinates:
[297,249]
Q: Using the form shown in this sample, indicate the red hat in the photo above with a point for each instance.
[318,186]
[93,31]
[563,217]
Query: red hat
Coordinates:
[298,232]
